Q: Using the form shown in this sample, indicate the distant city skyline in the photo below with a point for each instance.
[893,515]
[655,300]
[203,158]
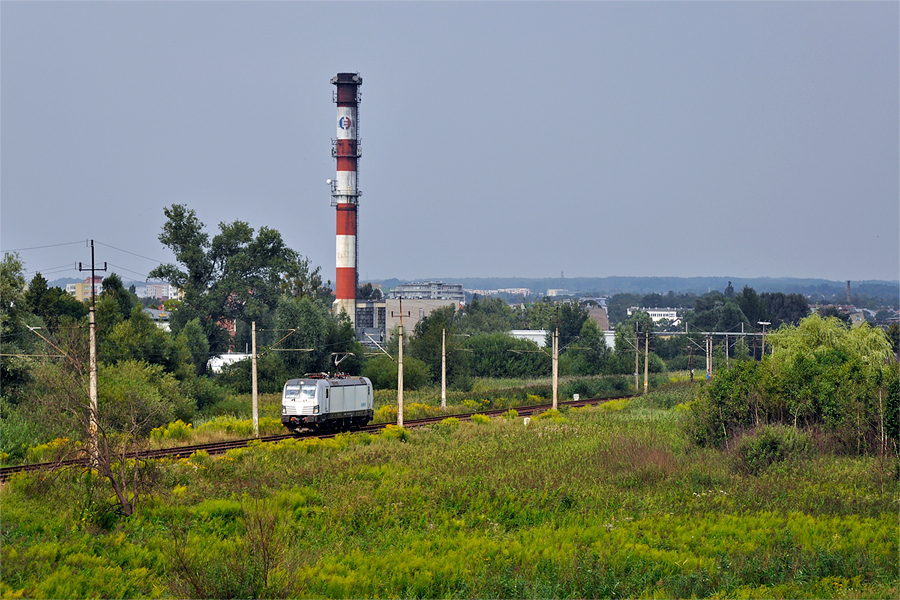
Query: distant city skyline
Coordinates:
[737,140]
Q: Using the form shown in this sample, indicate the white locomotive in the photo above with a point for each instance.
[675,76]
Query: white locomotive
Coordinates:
[320,401]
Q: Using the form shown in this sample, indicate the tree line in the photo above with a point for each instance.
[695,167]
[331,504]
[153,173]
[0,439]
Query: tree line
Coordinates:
[240,276]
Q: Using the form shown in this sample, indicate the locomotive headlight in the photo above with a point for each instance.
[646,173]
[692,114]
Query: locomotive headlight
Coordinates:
[283,409]
[316,410]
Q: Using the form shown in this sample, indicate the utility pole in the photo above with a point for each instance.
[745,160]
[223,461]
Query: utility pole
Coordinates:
[726,350]
[708,357]
[400,378]
[691,361]
[555,364]
[93,426]
[400,368]
[764,323]
[646,361]
[444,369]
[254,386]
[637,351]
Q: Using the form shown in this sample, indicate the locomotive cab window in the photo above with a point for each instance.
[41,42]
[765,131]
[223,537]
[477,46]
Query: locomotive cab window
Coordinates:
[291,392]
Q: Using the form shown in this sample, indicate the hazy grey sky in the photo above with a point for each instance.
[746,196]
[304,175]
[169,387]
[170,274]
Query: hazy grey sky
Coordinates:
[738,139]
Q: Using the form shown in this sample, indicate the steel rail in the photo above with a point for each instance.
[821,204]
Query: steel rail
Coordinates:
[214,448]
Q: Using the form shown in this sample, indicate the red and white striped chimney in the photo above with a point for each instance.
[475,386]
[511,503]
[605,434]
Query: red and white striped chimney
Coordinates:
[344,193]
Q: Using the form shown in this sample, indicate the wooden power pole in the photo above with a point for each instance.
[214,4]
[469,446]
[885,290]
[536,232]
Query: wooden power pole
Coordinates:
[94,422]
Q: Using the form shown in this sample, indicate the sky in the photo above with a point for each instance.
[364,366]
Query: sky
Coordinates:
[499,139]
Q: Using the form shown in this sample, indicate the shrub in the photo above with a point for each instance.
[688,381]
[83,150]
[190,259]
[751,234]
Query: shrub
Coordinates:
[511,414]
[386,414]
[178,430]
[767,445]
[51,451]
[551,415]
[481,419]
[382,371]
[392,432]
[204,391]
[450,423]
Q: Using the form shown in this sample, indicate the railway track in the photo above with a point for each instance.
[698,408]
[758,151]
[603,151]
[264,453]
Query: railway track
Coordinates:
[225,446]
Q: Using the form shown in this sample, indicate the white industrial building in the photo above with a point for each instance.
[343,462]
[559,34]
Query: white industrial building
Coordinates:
[428,290]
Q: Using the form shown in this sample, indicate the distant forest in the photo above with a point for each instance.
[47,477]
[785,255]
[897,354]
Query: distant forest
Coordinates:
[818,289]
[886,292]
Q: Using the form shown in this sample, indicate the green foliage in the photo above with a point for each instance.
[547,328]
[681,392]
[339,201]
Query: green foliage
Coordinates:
[591,355]
[480,419]
[450,423]
[51,304]
[177,430]
[893,333]
[382,371]
[137,338]
[270,372]
[194,341]
[232,425]
[137,397]
[124,301]
[15,338]
[426,343]
[628,509]
[309,319]
[552,415]
[204,392]
[487,315]
[253,563]
[820,374]
[498,355]
[766,445]
[237,275]
[715,312]
[393,432]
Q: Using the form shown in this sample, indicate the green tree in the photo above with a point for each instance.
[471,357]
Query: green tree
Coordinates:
[751,305]
[499,355]
[382,371]
[832,312]
[112,287]
[426,342]
[306,324]
[368,292]
[237,275]
[16,338]
[893,333]
[342,340]
[538,315]
[618,305]
[570,318]
[38,299]
[487,315]
[137,338]
[591,356]
[820,374]
[194,340]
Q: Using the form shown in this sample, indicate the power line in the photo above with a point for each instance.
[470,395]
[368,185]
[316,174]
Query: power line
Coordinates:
[131,253]
[49,270]
[40,247]
[129,270]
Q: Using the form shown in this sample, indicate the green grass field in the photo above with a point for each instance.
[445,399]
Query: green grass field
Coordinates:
[600,502]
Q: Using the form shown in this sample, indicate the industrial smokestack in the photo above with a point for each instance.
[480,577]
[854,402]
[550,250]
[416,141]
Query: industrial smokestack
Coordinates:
[848,291]
[344,191]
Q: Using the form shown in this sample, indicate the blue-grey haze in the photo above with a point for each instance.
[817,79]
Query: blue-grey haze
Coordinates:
[676,139]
